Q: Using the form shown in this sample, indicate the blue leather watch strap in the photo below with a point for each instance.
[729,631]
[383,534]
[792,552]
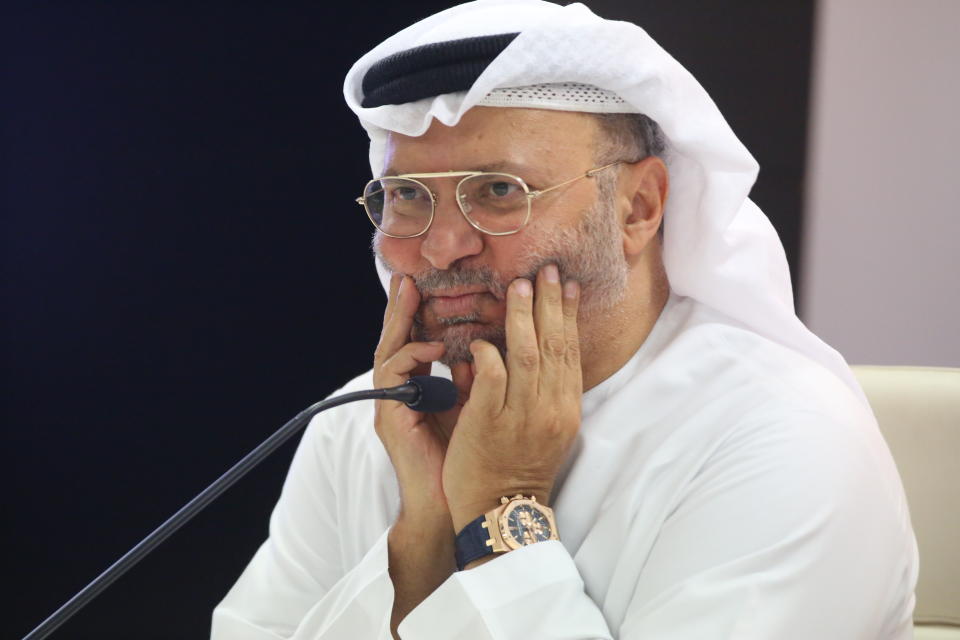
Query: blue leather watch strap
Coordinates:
[471,543]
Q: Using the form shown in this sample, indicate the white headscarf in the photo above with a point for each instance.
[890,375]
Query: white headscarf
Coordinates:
[719,248]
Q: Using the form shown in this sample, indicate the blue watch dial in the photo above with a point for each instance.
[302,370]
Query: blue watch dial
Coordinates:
[528,525]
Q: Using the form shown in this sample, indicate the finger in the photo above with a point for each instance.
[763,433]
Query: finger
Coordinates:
[489,388]
[423,369]
[523,355]
[573,384]
[462,374]
[394,287]
[409,360]
[549,323]
[396,329]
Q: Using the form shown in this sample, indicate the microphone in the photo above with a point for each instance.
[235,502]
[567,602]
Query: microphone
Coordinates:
[427,394]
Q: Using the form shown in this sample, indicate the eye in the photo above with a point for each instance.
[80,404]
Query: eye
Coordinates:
[501,189]
[404,193]
[493,190]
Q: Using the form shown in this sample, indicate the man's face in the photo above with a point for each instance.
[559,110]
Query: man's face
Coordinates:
[461,273]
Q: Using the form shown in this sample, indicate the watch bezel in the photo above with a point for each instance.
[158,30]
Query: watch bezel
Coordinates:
[513,505]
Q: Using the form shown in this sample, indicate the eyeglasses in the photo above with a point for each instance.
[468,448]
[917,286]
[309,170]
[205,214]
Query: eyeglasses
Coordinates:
[494,203]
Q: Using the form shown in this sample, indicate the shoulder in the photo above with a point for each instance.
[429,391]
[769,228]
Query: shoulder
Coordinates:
[346,431]
[725,357]
[742,406]
[789,432]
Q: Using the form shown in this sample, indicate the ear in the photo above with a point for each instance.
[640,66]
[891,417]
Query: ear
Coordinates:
[645,185]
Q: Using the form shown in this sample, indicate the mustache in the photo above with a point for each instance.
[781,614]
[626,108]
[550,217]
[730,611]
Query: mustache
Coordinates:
[433,280]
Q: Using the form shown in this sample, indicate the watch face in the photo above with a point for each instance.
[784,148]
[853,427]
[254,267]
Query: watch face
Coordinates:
[525,525]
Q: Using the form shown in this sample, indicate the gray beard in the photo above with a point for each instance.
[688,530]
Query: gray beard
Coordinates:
[460,332]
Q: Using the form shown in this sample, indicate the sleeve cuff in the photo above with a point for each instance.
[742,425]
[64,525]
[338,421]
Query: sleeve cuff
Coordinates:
[358,606]
[523,593]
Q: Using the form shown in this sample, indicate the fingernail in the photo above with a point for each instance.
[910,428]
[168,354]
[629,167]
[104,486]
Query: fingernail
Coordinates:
[551,273]
[570,289]
[523,287]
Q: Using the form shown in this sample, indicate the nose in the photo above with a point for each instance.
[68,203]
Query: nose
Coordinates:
[450,236]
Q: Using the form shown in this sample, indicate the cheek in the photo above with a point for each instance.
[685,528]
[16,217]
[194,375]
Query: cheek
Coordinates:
[525,252]
[399,254]
[508,255]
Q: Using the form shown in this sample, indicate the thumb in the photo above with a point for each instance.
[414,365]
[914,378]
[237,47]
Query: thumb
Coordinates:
[462,374]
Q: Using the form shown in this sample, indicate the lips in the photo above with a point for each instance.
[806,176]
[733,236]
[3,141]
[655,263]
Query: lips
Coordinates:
[456,302]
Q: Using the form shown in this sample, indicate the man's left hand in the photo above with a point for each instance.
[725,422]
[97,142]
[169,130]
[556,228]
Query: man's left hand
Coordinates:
[516,430]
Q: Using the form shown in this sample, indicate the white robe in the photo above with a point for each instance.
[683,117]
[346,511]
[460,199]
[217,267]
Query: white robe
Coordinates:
[722,486]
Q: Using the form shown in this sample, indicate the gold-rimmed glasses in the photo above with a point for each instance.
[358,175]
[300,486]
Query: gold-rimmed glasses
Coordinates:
[492,202]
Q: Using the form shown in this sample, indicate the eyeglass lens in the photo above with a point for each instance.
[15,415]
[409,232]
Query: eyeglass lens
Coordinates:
[496,203]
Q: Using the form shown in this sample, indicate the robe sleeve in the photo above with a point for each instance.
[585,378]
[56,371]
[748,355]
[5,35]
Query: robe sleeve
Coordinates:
[792,528]
[532,592]
[295,586]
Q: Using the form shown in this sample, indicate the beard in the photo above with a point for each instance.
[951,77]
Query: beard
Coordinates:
[590,253]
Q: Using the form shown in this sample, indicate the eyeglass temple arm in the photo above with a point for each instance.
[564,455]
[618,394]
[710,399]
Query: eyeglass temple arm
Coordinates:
[588,174]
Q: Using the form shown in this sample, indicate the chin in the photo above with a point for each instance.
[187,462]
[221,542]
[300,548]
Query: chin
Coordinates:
[457,336]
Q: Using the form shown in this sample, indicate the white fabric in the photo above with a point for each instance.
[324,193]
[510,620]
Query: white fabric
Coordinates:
[719,248]
[722,486]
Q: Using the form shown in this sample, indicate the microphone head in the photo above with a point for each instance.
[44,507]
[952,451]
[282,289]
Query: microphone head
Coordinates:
[436,394]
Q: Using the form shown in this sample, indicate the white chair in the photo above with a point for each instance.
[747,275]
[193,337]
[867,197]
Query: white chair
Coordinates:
[918,409]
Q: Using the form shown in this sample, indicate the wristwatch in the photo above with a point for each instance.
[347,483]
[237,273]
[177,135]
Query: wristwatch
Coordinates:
[516,523]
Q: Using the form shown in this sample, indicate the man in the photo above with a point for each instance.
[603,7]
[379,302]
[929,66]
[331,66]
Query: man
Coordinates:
[648,443]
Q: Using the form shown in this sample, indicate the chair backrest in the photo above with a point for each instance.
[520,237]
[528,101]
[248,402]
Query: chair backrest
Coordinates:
[918,410]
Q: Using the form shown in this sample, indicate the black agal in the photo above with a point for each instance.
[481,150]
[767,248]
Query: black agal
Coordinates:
[431,69]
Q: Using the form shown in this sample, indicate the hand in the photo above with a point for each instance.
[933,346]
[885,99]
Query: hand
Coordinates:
[522,416]
[416,442]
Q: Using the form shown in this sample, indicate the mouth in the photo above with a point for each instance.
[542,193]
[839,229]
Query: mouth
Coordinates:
[460,301]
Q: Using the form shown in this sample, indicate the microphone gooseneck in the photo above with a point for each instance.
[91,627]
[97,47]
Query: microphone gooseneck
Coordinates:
[426,394]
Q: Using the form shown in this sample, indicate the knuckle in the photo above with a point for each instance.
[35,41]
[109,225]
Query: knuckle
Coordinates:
[527,358]
[383,364]
[521,309]
[383,353]
[552,295]
[557,427]
[492,374]
[554,346]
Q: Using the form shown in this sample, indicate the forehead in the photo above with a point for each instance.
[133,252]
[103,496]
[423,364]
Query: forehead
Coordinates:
[488,136]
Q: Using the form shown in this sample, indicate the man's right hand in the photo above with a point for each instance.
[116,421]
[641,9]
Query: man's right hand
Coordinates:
[416,442]
[420,542]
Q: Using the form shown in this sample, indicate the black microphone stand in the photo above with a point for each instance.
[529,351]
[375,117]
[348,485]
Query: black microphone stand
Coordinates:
[411,393]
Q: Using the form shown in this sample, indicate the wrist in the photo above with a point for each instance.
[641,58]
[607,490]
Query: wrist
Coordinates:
[423,542]
[520,520]
[431,524]
[464,511]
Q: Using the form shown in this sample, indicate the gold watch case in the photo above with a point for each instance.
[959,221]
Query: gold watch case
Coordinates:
[519,522]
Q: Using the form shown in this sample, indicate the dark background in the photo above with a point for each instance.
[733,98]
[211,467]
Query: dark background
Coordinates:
[184,268]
